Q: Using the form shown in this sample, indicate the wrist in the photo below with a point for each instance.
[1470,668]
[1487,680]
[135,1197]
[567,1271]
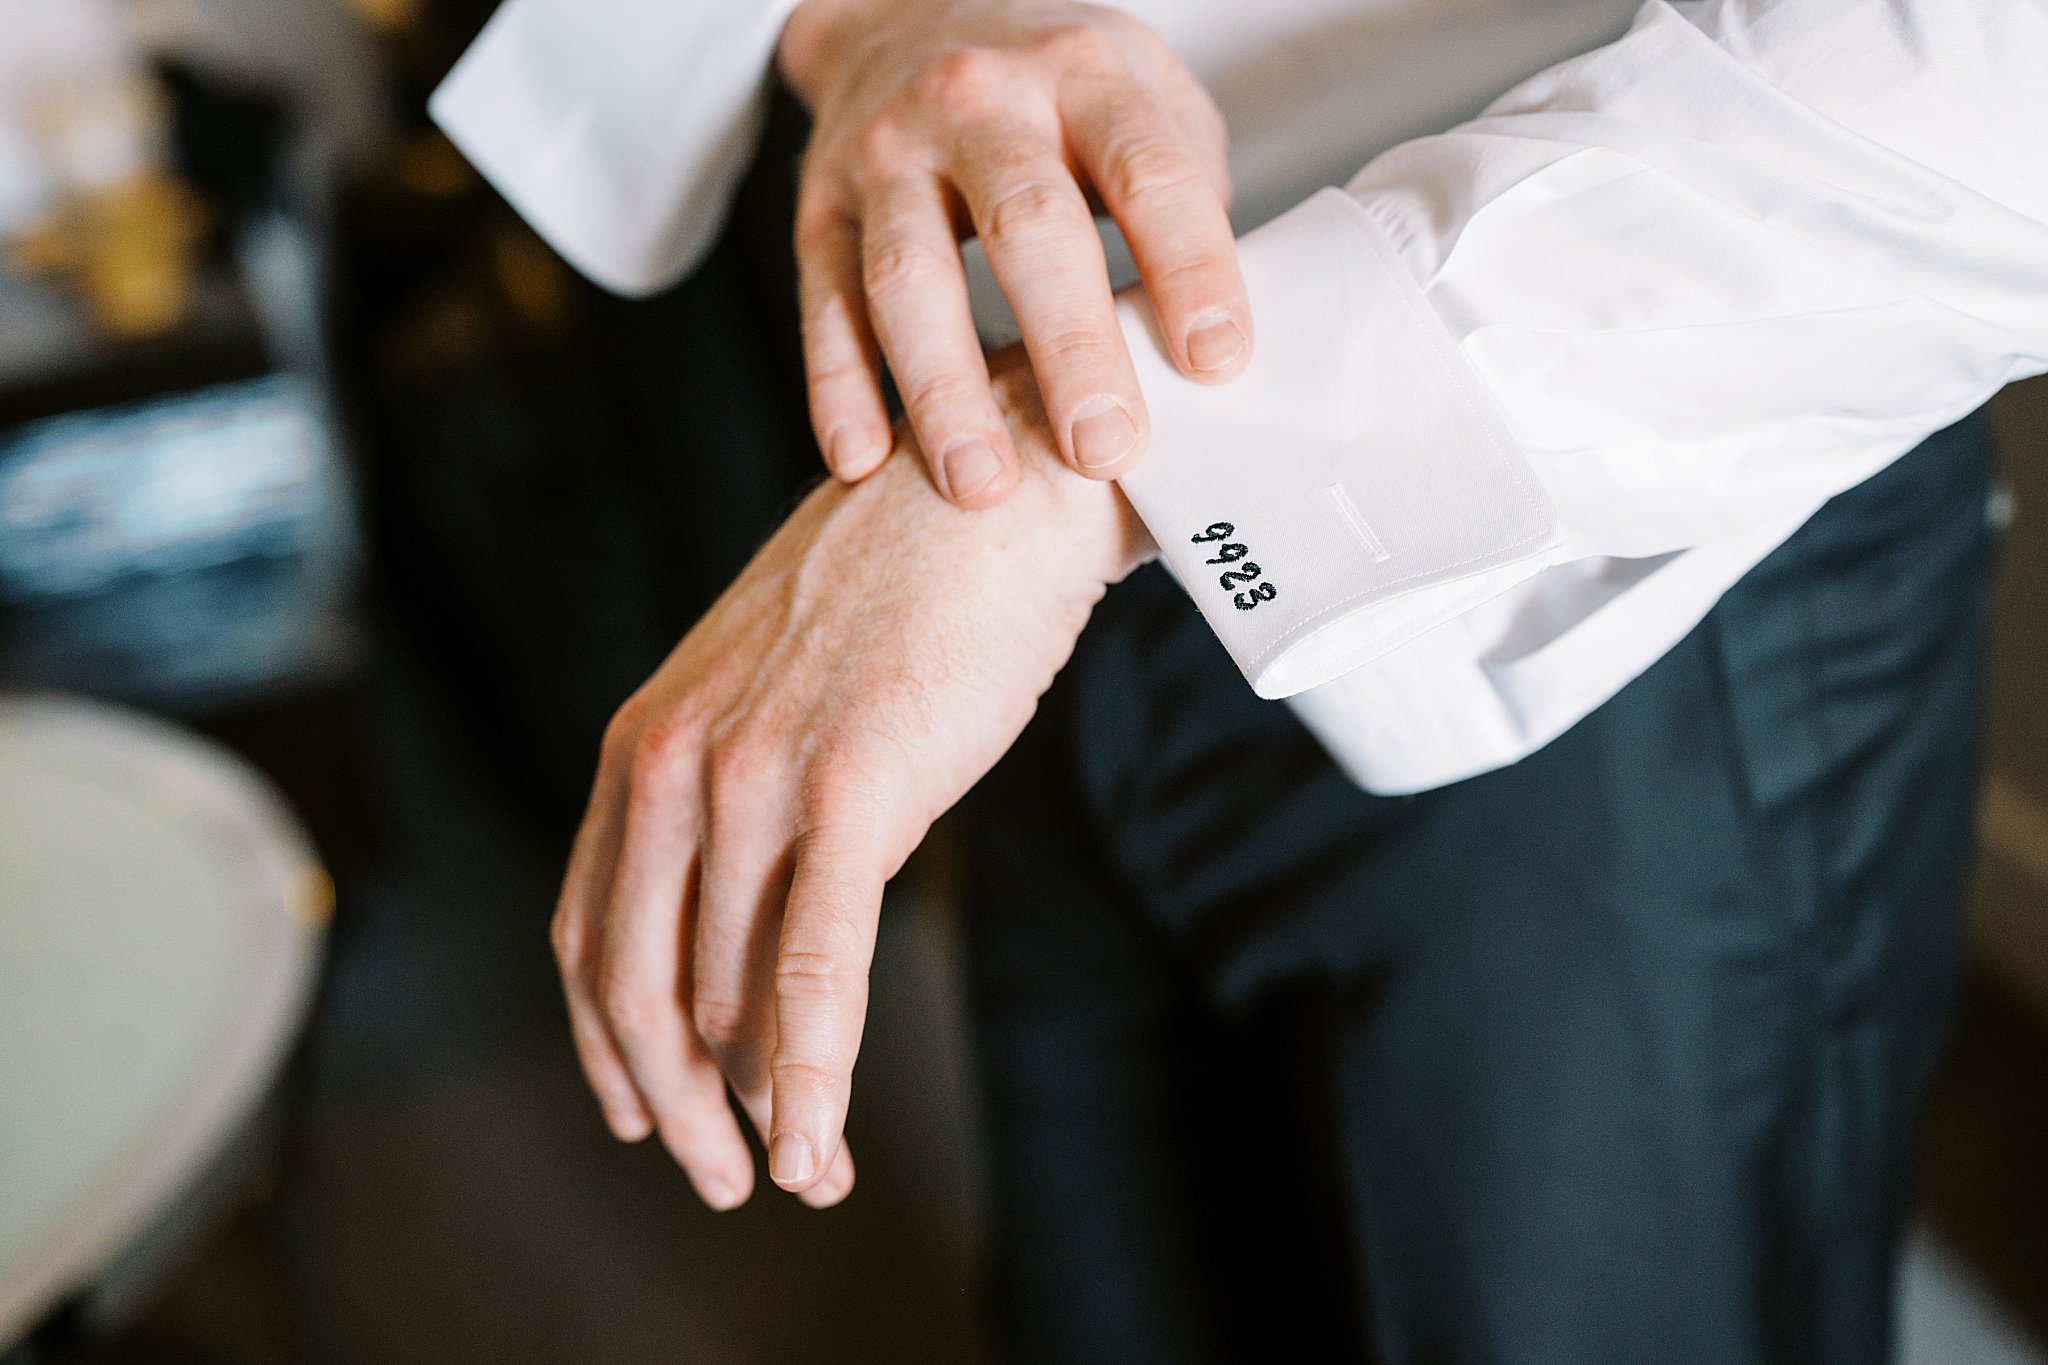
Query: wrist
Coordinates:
[1107,533]
[1092,520]
[1136,545]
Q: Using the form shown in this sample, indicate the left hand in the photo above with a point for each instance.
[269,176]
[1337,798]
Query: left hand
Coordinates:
[872,662]
[936,119]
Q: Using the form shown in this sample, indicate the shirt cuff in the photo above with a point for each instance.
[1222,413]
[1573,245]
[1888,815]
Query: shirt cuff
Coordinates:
[619,132]
[1355,486]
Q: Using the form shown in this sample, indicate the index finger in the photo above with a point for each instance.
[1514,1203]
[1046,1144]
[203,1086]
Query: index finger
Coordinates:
[917,302]
[821,999]
[1154,177]
[1042,245]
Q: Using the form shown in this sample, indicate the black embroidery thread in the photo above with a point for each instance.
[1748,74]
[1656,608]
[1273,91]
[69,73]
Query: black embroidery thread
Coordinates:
[1265,592]
[1229,551]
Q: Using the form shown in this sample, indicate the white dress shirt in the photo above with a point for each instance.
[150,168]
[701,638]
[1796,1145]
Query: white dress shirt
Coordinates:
[1529,395]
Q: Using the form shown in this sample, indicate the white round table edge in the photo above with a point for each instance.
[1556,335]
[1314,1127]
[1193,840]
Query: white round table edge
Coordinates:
[164,1161]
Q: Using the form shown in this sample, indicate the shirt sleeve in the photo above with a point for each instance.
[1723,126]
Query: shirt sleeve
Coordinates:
[1607,344]
[619,129]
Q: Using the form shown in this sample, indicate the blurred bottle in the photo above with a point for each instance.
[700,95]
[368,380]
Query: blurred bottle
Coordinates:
[87,195]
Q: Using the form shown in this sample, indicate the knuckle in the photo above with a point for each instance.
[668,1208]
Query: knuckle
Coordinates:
[898,267]
[823,310]
[800,1077]
[1028,214]
[832,334]
[1085,45]
[1077,347]
[1203,272]
[628,1004]
[820,228]
[829,375]
[831,795]
[721,1022]
[621,734]
[1196,285]
[816,975]
[658,755]
[567,938]
[966,80]
[937,399]
[1144,168]
[737,759]
[882,143]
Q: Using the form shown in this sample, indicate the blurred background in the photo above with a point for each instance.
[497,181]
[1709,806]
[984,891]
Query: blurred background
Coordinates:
[325,552]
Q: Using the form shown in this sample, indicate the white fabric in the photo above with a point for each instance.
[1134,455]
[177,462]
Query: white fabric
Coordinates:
[1358,401]
[619,129]
[1575,366]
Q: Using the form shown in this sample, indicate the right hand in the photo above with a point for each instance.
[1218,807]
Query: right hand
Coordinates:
[939,119]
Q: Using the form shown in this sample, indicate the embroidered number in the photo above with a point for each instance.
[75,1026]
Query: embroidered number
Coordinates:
[1246,574]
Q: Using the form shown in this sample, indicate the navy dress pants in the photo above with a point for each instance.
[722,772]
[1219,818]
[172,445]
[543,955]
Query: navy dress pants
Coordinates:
[1612,1057]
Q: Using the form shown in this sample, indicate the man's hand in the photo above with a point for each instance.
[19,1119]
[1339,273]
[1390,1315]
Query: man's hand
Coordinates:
[937,119]
[875,659]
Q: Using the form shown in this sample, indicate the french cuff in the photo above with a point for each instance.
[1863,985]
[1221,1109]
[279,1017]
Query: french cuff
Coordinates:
[1355,486]
[619,132]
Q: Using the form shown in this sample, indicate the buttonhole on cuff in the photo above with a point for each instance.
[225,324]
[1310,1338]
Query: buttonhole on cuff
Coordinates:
[1354,519]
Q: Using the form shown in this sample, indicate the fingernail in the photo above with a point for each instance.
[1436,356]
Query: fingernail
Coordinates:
[971,465]
[1214,344]
[842,448]
[792,1161]
[826,1193]
[721,1194]
[628,1127]
[1103,432]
